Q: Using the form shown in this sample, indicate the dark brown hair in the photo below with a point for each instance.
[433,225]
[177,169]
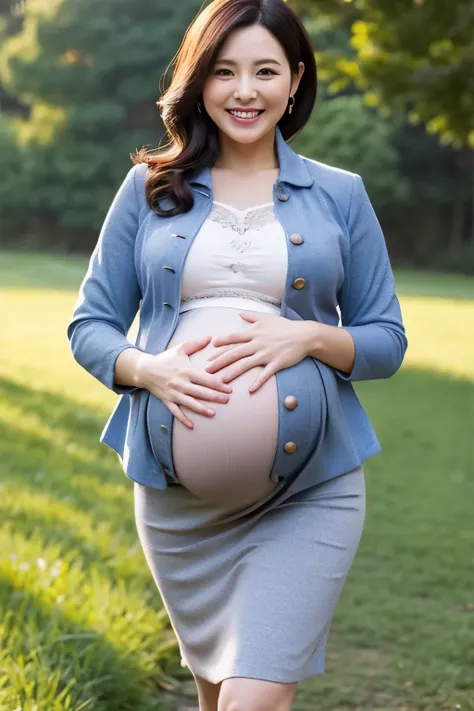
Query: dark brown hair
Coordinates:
[193,136]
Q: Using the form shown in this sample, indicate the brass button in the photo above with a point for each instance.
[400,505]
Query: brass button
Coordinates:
[167,303]
[180,236]
[296,238]
[290,402]
[299,283]
[164,428]
[290,447]
[166,266]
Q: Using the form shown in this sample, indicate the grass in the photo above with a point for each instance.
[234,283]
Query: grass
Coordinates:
[82,625]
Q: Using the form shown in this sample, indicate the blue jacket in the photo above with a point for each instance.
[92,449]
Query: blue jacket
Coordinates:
[342,256]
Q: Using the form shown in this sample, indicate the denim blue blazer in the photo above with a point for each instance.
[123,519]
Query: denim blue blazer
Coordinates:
[137,266]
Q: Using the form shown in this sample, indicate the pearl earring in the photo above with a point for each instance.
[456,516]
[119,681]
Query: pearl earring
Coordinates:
[290,107]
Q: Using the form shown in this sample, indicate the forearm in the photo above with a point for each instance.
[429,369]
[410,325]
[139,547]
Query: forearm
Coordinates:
[332,345]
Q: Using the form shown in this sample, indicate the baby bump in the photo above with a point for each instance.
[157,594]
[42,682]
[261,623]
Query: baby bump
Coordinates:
[228,456]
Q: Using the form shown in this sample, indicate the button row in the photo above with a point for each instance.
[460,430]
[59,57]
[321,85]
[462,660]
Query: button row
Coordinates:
[290,403]
[295,238]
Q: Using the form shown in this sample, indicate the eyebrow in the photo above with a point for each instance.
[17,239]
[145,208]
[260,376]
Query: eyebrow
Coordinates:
[259,61]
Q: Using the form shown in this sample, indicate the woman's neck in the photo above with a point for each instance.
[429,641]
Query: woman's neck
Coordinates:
[237,157]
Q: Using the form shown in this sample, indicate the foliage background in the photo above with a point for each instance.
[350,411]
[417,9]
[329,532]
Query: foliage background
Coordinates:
[79,81]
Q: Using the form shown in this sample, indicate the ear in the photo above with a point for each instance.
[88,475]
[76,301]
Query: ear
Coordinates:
[297,78]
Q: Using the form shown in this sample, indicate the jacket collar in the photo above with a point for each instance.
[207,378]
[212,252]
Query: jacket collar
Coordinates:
[293,169]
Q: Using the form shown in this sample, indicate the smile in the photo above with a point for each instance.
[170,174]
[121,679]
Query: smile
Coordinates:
[245,116]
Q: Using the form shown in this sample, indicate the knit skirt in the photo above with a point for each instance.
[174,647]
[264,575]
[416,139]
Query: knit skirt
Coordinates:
[252,594]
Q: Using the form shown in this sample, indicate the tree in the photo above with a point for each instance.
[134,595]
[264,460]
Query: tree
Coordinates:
[413,54]
[90,73]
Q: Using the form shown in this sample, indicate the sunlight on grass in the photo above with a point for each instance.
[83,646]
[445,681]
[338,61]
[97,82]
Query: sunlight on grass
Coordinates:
[440,334]
[35,349]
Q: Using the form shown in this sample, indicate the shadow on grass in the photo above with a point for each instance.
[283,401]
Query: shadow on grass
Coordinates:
[60,486]
[60,656]
[73,445]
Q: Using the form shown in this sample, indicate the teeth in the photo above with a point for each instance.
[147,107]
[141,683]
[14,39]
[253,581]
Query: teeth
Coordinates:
[247,114]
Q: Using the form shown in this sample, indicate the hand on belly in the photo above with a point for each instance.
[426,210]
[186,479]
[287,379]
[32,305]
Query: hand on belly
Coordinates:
[227,457]
[268,340]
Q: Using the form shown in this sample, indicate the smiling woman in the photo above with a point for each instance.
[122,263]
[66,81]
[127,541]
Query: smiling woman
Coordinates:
[250,518]
[275,75]
[225,470]
[254,91]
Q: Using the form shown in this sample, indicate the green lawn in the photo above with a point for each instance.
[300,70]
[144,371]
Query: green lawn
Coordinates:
[82,625]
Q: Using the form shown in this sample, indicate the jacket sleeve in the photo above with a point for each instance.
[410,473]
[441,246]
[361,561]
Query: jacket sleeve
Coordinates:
[370,310]
[109,296]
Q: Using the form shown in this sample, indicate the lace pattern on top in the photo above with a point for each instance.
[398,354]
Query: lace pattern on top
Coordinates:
[254,219]
[234,291]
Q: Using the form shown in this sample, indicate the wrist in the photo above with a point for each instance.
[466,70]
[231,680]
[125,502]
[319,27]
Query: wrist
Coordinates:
[311,337]
[142,370]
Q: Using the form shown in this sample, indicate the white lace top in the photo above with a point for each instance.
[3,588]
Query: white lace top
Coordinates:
[239,258]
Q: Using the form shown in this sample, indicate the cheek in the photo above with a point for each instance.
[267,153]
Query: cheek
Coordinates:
[276,93]
[215,93]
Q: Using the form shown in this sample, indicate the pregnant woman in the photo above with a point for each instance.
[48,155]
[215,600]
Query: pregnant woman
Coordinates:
[264,289]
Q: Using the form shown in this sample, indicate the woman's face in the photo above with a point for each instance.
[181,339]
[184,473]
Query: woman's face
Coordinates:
[241,79]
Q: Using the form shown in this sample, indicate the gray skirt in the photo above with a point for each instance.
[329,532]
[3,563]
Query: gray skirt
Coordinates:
[251,592]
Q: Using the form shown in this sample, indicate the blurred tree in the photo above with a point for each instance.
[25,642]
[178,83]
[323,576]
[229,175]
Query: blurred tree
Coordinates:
[11,17]
[11,195]
[11,21]
[414,54]
[90,72]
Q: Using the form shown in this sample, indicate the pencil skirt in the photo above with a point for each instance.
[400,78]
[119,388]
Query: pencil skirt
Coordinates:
[252,593]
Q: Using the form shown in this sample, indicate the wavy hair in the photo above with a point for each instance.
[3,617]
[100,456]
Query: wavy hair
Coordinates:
[193,136]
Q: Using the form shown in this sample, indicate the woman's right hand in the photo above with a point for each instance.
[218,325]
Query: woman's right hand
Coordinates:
[170,377]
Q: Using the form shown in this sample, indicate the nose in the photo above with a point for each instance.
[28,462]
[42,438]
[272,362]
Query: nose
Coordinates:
[244,89]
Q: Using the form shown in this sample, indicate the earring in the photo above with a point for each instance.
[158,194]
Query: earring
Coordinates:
[290,107]
[199,106]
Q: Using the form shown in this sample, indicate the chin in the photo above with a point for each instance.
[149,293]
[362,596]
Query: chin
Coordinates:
[248,134]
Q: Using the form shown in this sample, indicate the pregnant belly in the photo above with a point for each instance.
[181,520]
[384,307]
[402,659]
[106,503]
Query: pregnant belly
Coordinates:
[227,457]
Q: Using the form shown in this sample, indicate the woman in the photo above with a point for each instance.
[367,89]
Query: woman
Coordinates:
[237,421]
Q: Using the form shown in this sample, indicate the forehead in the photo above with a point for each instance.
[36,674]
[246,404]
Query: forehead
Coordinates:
[246,45]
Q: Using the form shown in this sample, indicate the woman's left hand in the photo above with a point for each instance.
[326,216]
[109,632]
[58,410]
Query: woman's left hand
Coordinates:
[271,341]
